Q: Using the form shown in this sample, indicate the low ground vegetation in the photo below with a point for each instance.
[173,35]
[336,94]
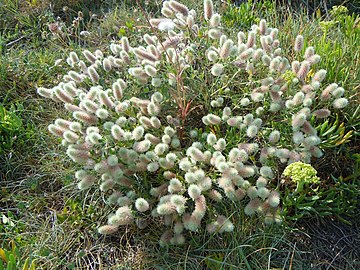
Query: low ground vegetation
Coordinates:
[47,223]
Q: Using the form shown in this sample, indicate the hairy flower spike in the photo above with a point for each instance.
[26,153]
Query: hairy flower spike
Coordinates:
[326,93]
[108,229]
[274,199]
[299,42]
[252,207]
[89,56]
[322,113]
[138,132]
[314,59]
[213,119]
[338,92]
[214,33]
[105,99]
[63,96]
[125,44]
[94,76]
[212,56]
[226,49]
[262,26]
[309,52]
[142,54]
[194,191]
[75,76]
[107,64]
[179,7]
[167,12]
[319,76]
[246,54]
[142,146]
[208,9]
[195,154]
[298,120]
[215,20]
[85,117]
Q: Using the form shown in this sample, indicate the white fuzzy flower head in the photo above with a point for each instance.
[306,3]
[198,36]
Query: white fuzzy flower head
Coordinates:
[298,137]
[153,167]
[220,145]
[211,139]
[274,136]
[259,111]
[217,70]
[212,56]
[252,207]
[214,33]
[178,200]
[194,191]
[108,229]
[244,102]
[166,25]
[251,131]
[309,52]
[298,120]
[195,154]
[261,182]
[178,7]
[175,143]
[190,177]
[86,182]
[320,75]
[215,20]
[340,103]
[226,49]
[267,172]
[141,205]
[263,192]
[112,160]
[274,198]
[175,185]
[185,164]
[298,98]
[338,92]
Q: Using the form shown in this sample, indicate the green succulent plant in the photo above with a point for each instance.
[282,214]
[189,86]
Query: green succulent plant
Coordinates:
[301,174]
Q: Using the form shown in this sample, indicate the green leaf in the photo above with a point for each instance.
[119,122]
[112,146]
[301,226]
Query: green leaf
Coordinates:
[3,255]
[32,267]
[122,32]
[307,208]
[12,259]
[323,214]
[26,264]
[314,198]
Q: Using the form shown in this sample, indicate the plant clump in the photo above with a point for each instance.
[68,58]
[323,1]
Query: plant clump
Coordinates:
[129,125]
